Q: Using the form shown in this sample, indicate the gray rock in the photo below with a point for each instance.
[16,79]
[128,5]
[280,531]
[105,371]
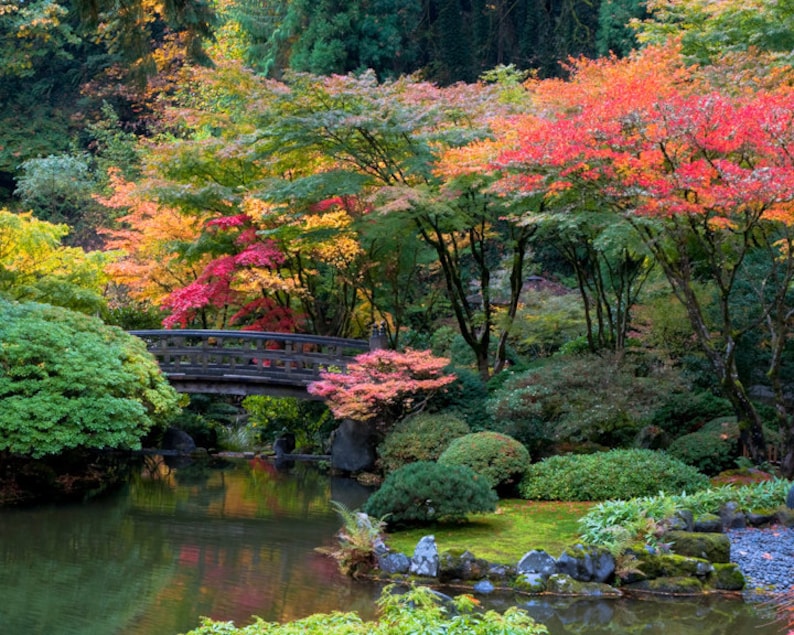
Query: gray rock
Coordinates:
[761,519]
[531,583]
[732,516]
[178,440]
[484,587]
[587,564]
[394,563]
[425,559]
[537,561]
[456,566]
[353,447]
[790,498]
[707,523]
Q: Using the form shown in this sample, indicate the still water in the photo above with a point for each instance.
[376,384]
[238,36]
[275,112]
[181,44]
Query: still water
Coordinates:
[234,541]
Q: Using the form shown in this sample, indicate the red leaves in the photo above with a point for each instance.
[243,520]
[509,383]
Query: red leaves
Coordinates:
[383,385]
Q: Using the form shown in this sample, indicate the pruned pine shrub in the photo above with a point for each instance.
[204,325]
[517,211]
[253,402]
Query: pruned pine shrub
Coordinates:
[620,474]
[424,492]
[499,458]
[422,437]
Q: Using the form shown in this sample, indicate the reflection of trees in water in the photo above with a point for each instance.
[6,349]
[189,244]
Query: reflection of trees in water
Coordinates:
[657,616]
[78,570]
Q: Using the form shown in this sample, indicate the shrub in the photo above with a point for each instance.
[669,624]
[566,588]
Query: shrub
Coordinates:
[499,458]
[424,492]
[419,610]
[465,398]
[619,474]
[584,399]
[686,412]
[69,381]
[422,437]
[712,449]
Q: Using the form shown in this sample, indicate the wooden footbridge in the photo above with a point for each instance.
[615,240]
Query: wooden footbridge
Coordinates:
[249,362]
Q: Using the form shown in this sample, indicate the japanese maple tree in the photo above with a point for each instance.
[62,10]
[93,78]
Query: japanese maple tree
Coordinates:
[383,386]
[705,178]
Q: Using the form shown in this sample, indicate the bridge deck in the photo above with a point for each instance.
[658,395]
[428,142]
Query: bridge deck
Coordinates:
[247,362]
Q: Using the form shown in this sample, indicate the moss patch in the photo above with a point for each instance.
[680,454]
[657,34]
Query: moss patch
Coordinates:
[506,535]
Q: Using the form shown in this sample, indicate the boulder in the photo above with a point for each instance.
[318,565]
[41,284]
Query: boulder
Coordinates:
[732,516]
[561,584]
[709,546]
[454,565]
[353,447]
[587,563]
[391,563]
[530,583]
[669,586]
[761,518]
[484,587]
[537,561]
[785,516]
[425,560]
[176,440]
[726,577]
[790,498]
[707,523]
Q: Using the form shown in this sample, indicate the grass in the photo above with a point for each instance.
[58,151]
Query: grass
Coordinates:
[506,535]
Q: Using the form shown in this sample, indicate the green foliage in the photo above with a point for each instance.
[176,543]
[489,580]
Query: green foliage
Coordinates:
[464,398]
[587,399]
[357,539]
[499,458]
[59,189]
[418,610]
[69,381]
[310,421]
[604,475]
[34,266]
[615,522]
[712,449]
[546,322]
[683,412]
[421,437]
[425,492]
[615,35]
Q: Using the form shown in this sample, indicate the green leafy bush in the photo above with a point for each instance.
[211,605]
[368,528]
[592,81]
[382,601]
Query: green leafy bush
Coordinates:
[499,458]
[69,381]
[601,476]
[712,449]
[422,437]
[425,492]
[416,611]
[684,412]
[604,400]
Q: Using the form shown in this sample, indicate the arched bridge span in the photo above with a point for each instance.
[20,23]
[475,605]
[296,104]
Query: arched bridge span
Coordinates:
[248,362]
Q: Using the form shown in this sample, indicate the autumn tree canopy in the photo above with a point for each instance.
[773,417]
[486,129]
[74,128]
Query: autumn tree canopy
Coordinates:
[705,178]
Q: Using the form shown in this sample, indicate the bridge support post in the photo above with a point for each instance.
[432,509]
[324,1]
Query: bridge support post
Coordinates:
[378,339]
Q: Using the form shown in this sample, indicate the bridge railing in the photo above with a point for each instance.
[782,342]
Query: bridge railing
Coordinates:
[284,358]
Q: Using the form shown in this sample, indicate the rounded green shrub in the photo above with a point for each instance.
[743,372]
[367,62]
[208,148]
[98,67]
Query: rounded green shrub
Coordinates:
[425,492]
[68,381]
[499,458]
[422,437]
[617,474]
[712,449]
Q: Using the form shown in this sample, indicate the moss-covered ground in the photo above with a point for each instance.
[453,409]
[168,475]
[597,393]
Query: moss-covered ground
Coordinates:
[504,536]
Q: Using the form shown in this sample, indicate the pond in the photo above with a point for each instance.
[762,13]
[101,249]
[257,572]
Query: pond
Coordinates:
[239,540]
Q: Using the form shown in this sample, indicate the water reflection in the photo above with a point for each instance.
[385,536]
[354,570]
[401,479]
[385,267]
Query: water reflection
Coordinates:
[180,542]
[233,540]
